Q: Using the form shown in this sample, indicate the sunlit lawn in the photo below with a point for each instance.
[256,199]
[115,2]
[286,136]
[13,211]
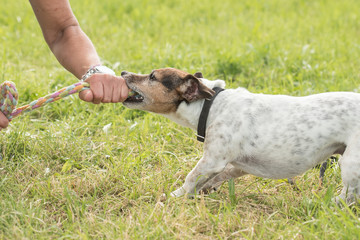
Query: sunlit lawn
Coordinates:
[63,176]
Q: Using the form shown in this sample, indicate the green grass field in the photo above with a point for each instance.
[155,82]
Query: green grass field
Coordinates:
[63,177]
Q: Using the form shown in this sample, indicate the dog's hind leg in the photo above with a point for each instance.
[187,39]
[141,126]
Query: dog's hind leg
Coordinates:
[229,172]
[350,170]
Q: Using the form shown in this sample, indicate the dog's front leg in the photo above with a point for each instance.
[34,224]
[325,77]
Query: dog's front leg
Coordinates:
[229,172]
[204,170]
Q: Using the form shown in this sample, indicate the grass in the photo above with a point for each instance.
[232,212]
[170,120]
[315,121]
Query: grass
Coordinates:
[63,177]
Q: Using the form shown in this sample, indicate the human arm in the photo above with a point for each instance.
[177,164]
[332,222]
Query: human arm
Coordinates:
[75,51]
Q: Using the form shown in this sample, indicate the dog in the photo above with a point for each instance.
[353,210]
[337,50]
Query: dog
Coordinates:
[269,136]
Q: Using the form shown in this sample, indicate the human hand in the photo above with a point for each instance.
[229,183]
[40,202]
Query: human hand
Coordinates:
[4,122]
[105,88]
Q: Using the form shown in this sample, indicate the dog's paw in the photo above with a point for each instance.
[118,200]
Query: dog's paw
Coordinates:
[178,192]
[207,191]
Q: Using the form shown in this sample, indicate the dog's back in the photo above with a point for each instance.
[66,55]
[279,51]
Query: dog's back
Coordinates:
[293,133]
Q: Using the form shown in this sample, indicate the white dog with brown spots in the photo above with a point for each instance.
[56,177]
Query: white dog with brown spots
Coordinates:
[270,136]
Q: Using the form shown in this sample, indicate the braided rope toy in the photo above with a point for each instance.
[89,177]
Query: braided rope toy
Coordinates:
[9,97]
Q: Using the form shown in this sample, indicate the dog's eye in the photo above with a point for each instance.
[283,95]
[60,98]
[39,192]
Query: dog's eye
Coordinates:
[152,77]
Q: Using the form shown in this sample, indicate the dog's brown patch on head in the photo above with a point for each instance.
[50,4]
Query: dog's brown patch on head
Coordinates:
[164,89]
[171,78]
[198,75]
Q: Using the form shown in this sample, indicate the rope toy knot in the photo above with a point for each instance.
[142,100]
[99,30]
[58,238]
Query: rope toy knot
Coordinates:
[8,98]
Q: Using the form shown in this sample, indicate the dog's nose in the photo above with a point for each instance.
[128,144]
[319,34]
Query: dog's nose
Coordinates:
[123,73]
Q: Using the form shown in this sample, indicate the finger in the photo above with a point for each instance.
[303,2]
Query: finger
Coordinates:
[124,91]
[108,85]
[86,95]
[96,87]
[116,91]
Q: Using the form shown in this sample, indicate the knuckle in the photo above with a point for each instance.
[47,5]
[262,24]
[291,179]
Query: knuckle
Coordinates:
[97,97]
[122,98]
[107,97]
[122,81]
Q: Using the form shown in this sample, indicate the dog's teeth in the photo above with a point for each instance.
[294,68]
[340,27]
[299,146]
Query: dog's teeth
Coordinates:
[132,93]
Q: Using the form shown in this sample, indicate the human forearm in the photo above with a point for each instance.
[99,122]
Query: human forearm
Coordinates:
[74,51]
[63,34]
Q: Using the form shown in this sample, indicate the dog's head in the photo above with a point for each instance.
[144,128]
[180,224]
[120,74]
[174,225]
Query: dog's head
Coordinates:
[164,89]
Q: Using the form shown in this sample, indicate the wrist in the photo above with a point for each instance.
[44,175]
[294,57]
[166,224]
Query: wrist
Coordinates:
[97,69]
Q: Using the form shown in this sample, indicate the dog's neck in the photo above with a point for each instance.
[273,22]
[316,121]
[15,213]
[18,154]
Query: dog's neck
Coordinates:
[188,114]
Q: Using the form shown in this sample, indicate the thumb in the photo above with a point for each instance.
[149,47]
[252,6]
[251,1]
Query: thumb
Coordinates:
[86,95]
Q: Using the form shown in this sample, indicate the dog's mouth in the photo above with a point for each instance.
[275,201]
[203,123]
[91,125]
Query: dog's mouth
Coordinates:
[134,97]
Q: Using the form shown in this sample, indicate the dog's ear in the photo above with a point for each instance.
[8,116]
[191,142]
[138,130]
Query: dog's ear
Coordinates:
[192,89]
[198,75]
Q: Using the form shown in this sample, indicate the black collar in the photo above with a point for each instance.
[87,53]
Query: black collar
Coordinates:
[204,115]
